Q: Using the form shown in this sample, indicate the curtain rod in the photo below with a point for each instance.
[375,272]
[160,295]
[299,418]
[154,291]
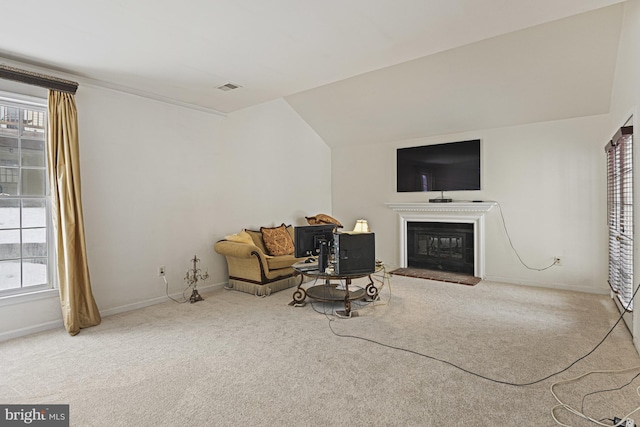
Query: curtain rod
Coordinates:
[37,79]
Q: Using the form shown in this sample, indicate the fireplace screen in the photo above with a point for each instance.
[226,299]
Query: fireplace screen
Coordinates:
[441,246]
[448,247]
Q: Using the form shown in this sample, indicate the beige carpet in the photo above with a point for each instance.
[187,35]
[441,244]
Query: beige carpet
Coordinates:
[238,360]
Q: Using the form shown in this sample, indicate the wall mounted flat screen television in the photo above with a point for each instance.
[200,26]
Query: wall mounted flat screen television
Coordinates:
[453,166]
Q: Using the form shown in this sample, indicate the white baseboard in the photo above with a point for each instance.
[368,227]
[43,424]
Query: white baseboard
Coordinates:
[17,333]
[158,300]
[559,286]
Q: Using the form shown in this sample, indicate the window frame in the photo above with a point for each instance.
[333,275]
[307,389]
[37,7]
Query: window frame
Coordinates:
[620,215]
[34,292]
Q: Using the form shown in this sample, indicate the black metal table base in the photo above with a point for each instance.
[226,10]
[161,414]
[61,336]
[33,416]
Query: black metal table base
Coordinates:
[331,292]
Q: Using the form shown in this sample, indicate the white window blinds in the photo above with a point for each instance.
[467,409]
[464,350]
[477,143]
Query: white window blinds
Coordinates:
[620,214]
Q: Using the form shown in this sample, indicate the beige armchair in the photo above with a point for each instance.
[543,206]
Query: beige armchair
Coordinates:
[251,269]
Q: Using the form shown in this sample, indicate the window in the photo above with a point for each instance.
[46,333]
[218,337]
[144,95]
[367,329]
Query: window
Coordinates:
[25,238]
[620,214]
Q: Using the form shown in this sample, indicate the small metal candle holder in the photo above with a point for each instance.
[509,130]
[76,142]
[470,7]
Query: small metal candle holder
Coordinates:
[193,276]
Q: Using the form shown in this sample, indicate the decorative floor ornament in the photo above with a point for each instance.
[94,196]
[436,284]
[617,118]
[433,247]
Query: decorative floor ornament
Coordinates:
[193,276]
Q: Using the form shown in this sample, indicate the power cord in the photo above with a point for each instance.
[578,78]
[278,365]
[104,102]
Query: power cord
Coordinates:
[608,390]
[185,299]
[504,225]
[383,278]
[581,414]
[524,384]
[625,421]
[618,422]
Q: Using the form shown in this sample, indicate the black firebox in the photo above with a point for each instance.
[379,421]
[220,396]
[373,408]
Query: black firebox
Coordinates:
[442,246]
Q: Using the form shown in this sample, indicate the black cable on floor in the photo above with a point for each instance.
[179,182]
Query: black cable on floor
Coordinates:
[483,376]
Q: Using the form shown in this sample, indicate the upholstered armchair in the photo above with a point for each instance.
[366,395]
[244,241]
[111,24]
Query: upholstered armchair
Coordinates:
[251,267]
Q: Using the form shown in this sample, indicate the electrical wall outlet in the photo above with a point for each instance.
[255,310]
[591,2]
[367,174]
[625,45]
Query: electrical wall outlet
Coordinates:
[161,271]
[557,261]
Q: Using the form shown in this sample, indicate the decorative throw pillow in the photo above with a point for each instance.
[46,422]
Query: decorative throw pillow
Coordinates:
[241,237]
[277,240]
[322,219]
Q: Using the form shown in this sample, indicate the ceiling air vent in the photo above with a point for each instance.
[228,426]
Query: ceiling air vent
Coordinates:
[229,86]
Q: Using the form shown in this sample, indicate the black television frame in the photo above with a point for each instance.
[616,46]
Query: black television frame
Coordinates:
[307,239]
[451,166]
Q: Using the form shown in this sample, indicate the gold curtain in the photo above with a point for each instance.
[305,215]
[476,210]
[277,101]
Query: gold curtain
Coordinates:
[79,309]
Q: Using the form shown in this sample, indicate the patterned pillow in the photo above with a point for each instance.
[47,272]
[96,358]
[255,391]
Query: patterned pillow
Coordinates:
[277,240]
[322,219]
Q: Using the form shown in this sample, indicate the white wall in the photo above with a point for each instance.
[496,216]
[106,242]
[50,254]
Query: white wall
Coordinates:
[162,183]
[548,177]
[626,89]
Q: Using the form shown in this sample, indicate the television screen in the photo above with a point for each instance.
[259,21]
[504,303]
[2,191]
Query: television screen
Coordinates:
[309,238]
[452,166]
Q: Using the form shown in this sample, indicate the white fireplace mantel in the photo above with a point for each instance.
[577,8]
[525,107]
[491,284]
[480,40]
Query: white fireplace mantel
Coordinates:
[455,212]
[441,207]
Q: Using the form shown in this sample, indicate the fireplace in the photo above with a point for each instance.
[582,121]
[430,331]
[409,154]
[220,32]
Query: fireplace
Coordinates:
[459,240]
[440,246]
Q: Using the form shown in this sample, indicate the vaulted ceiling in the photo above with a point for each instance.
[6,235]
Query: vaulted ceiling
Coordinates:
[358,71]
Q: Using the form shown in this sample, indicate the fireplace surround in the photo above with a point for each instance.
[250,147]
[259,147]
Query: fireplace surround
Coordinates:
[472,213]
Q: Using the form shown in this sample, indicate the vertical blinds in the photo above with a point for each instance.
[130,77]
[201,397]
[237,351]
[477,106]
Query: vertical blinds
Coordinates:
[620,214]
